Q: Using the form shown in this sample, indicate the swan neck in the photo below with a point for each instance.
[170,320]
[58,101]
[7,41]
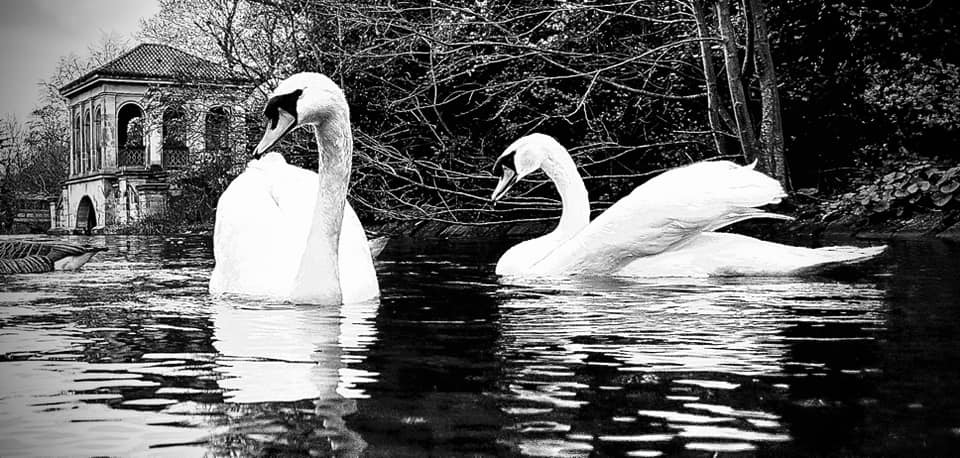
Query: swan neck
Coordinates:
[559,166]
[318,280]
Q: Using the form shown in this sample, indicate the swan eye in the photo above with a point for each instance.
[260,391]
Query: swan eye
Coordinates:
[505,161]
[285,102]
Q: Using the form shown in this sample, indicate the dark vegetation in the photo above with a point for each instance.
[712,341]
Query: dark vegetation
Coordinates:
[855,105]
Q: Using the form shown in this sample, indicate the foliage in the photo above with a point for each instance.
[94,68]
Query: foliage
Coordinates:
[195,190]
[916,97]
[911,187]
[25,170]
[833,53]
[438,89]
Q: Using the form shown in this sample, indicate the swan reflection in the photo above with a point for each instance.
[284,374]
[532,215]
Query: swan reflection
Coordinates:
[278,357]
[685,353]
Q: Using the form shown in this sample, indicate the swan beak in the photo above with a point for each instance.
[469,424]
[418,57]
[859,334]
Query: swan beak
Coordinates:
[285,123]
[507,181]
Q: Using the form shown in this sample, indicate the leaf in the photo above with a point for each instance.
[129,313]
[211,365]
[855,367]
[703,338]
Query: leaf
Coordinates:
[917,168]
[942,199]
[924,185]
[889,177]
[950,173]
[902,192]
[949,186]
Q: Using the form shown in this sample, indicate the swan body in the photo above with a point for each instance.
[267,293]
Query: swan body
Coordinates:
[288,233]
[664,228]
[261,230]
[37,257]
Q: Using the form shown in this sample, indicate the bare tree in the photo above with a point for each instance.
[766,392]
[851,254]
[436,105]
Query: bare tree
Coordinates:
[771,124]
[437,89]
[767,148]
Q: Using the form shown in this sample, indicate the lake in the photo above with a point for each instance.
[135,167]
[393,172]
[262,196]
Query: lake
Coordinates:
[130,356]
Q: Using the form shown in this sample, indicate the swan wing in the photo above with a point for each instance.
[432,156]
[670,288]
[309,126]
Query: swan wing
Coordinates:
[722,254]
[358,278]
[23,256]
[254,242]
[663,212]
[295,191]
[31,264]
[377,245]
[263,219]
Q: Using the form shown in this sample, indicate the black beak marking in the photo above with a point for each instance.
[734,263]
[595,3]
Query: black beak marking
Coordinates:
[285,102]
[505,161]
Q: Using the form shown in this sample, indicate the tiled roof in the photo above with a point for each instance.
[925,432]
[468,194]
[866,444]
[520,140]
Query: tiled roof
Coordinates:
[162,62]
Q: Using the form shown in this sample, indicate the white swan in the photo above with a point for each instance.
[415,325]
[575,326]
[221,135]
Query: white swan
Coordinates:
[664,228]
[285,232]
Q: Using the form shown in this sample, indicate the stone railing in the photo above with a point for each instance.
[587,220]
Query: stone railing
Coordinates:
[132,156]
[175,157]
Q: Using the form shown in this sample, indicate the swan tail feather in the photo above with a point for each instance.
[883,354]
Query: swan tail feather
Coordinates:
[744,215]
[31,264]
[377,245]
[829,258]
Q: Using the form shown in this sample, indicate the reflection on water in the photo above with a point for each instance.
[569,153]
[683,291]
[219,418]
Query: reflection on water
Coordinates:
[688,352]
[131,356]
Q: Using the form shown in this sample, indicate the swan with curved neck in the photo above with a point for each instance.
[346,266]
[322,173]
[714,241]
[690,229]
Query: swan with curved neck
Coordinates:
[665,227]
[285,232]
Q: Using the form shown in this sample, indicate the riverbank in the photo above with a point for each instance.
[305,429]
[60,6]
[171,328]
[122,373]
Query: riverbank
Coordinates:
[923,226]
[812,222]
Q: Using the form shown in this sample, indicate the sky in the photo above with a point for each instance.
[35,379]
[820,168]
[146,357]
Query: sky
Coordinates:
[35,33]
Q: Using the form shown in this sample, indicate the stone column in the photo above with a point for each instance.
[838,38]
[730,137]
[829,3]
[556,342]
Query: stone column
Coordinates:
[110,132]
[52,205]
[91,130]
[154,138]
[196,131]
[72,113]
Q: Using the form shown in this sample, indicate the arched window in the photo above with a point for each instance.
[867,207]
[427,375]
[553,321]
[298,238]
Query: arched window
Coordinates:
[98,139]
[216,134]
[174,128]
[85,157]
[130,149]
[175,153]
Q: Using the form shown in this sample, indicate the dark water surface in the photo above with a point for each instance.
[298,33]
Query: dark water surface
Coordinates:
[130,356]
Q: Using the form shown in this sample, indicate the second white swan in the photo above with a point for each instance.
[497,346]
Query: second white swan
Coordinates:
[664,228]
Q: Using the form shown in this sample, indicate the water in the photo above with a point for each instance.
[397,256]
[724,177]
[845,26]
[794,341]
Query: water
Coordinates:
[131,356]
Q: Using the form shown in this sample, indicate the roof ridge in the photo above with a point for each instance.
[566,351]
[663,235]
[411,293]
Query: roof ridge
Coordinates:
[111,61]
[171,47]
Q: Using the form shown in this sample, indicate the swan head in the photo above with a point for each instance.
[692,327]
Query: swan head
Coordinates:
[520,159]
[302,99]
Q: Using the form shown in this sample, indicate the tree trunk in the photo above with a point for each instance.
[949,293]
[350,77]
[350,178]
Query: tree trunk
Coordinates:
[771,124]
[748,138]
[710,79]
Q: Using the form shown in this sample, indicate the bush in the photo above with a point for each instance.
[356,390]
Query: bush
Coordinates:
[908,188]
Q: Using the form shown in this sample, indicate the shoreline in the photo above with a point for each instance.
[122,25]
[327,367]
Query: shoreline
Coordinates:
[809,225]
